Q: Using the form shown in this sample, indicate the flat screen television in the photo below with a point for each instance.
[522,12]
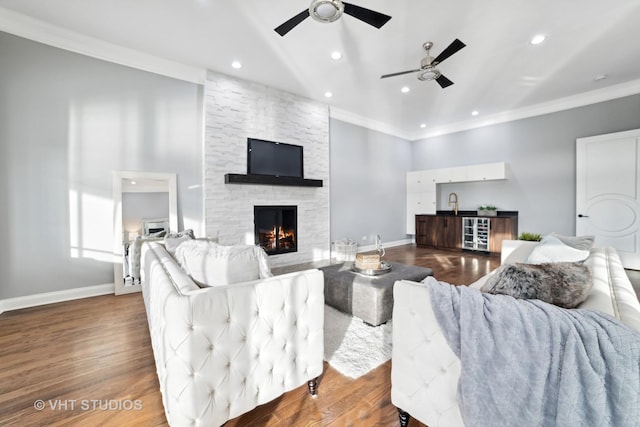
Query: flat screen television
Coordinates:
[274,158]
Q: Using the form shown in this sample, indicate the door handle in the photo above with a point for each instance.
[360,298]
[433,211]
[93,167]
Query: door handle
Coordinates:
[583,216]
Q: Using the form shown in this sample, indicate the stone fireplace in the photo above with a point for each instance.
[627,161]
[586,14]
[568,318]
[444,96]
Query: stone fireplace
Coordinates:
[276,228]
[236,110]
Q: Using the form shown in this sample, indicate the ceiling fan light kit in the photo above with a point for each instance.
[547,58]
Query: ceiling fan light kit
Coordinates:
[428,73]
[326,10]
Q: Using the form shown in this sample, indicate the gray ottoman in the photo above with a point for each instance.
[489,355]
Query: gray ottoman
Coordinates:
[368,297]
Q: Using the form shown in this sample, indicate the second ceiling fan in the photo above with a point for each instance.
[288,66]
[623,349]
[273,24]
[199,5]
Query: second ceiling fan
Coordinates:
[428,70]
[331,10]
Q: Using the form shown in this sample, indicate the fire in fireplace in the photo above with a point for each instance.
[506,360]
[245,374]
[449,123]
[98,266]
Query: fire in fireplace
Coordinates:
[276,228]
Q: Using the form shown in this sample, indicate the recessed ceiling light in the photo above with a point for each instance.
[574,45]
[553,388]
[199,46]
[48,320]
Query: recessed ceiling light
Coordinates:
[405,89]
[474,113]
[236,64]
[537,39]
[335,55]
[328,94]
[423,125]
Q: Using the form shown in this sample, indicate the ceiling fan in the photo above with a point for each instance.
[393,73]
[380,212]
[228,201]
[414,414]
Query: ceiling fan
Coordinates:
[428,70]
[330,10]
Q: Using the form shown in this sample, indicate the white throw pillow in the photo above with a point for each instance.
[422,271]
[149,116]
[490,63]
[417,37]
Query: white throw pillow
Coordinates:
[552,249]
[212,264]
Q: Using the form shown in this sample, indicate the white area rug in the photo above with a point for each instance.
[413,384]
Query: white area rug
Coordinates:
[352,347]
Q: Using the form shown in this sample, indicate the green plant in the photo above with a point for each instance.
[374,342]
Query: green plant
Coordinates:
[532,237]
[487,208]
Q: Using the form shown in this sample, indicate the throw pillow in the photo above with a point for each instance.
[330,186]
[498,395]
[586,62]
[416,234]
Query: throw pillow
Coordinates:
[211,264]
[552,249]
[564,284]
[173,240]
[577,242]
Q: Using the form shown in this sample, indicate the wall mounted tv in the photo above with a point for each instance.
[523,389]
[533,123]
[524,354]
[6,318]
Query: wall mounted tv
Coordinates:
[274,158]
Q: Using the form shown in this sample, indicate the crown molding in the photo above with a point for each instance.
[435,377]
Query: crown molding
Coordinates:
[587,98]
[52,35]
[356,119]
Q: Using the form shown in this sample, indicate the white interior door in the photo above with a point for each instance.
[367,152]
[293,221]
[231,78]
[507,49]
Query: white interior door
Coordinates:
[607,192]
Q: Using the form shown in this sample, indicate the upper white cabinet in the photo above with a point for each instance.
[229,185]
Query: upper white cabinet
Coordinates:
[487,171]
[459,174]
[483,172]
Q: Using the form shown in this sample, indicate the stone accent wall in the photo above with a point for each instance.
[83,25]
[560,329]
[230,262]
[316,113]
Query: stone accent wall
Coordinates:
[235,110]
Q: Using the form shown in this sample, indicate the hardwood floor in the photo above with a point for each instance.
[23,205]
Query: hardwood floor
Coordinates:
[90,363]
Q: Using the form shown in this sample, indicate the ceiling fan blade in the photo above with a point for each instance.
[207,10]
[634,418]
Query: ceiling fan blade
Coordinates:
[291,23]
[369,16]
[455,46]
[443,81]
[399,74]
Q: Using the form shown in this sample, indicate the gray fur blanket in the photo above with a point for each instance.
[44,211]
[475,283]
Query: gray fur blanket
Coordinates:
[529,363]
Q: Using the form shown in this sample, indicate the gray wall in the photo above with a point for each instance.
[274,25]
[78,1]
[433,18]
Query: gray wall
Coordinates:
[541,157]
[368,183]
[66,122]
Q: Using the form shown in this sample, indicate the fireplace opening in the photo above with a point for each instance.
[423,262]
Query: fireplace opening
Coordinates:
[276,228]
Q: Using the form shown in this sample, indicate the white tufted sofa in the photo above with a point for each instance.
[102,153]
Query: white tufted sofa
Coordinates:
[425,371]
[221,351]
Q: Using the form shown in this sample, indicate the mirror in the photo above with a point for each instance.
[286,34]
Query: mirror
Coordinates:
[145,204]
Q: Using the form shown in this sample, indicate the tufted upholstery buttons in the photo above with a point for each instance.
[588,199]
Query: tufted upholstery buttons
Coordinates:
[222,351]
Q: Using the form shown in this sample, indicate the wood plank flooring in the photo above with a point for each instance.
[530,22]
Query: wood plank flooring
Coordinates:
[90,362]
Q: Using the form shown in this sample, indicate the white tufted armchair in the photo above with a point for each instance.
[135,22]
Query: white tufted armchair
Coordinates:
[222,351]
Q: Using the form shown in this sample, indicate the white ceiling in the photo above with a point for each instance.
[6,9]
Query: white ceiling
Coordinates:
[498,72]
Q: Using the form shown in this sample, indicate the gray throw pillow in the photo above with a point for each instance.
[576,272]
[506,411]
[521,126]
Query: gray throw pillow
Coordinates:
[565,284]
[584,243]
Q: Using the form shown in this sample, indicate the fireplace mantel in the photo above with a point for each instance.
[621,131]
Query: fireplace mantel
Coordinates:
[235,178]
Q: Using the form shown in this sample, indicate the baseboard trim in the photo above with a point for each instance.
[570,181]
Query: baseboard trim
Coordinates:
[53,297]
[385,245]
